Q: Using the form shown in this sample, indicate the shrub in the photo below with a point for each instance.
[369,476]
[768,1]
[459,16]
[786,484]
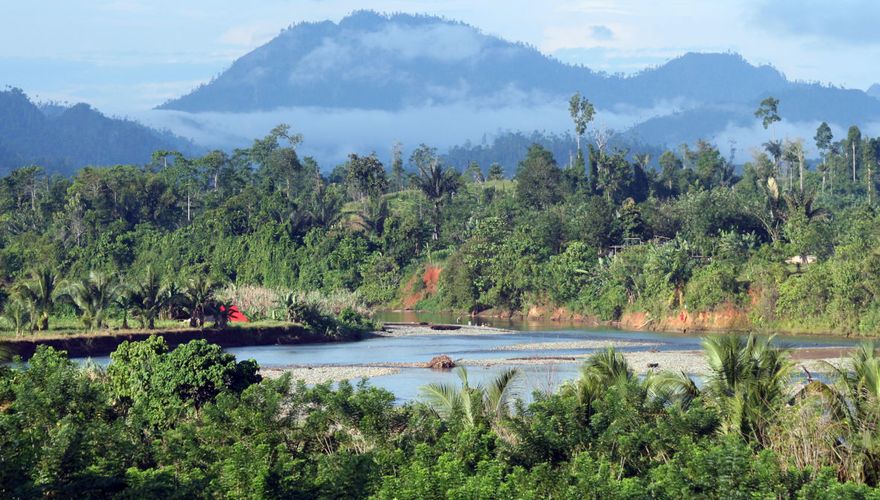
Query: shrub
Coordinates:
[711,286]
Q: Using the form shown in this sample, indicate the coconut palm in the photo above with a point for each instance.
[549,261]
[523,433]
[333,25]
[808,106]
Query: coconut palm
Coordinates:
[436,182]
[40,291]
[198,294]
[149,296]
[600,371]
[748,381]
[859,388]
[18,315]
[94,296]
[472,403]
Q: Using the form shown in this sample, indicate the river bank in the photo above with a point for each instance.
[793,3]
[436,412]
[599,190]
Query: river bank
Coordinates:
[102,343]
[726,319]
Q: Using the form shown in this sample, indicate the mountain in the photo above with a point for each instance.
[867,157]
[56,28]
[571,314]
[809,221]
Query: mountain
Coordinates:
[372,61]
[65,138]
[368,69]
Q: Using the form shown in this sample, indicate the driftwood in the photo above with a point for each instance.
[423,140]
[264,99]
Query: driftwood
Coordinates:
[445,327]
[442,362]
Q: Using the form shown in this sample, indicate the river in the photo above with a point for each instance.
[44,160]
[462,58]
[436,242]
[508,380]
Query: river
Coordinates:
[406,382]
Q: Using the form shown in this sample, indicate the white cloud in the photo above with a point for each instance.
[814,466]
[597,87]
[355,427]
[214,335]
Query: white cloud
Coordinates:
[248,36]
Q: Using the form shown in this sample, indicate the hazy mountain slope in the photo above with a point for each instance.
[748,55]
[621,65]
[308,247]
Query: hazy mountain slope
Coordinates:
[65,139]
[372,61]
[404,65]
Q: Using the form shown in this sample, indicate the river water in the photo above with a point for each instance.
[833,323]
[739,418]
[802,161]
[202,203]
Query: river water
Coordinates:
[420,348]
[542,377]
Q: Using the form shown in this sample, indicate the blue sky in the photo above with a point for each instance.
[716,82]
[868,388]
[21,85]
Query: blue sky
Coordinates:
[129,55]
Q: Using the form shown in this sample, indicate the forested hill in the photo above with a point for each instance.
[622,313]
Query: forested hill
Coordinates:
[64,139]
[390,62]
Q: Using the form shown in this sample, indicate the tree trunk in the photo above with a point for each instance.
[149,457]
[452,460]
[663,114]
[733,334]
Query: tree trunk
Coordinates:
[188,205]
[854,160]
[801,169]
[436,235]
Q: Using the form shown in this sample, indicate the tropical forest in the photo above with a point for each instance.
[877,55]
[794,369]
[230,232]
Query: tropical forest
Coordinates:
[586,312]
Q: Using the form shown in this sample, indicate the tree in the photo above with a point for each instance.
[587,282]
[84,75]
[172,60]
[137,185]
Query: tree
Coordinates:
[474,173]
[18,314]
[40,291]
[597,374]
[670,169]
[870,156]
[496,173]
[472,404]
[538,179]
[857,396]
[366,177]
[793,154]
[435,181]
[768,112]
[197,298]
[581,111]
[748,383]
[94,296]
[853,148]
[823,139]
[149,296]
[397,172]
[214,164]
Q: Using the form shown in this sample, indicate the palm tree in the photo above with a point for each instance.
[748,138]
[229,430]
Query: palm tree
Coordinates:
[436,182]
[472,403]
[802,201]
[599,372]
[371,218]
[18,314]
[149,296]
[94,296]
[40,291]
[748,381]
[859,389]
[197,297]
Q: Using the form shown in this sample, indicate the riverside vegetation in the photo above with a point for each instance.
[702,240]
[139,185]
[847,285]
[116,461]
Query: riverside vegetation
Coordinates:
[194,422]
[791,245]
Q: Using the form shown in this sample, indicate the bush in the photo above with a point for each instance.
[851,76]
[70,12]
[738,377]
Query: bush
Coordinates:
[711,286]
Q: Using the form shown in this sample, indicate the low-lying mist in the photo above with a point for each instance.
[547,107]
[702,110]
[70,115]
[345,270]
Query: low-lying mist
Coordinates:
[330,134]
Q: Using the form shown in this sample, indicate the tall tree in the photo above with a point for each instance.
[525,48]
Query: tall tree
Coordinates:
[823,139]
[365,176]
[435,181]
[538,179]
[768,112]
[397,172]
[853,148]
[581,110]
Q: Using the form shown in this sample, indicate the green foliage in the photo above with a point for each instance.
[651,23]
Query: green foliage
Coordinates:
[194,422]
[713,285]
[160,386]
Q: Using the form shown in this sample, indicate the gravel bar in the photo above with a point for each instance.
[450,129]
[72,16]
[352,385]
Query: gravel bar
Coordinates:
[575,344]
